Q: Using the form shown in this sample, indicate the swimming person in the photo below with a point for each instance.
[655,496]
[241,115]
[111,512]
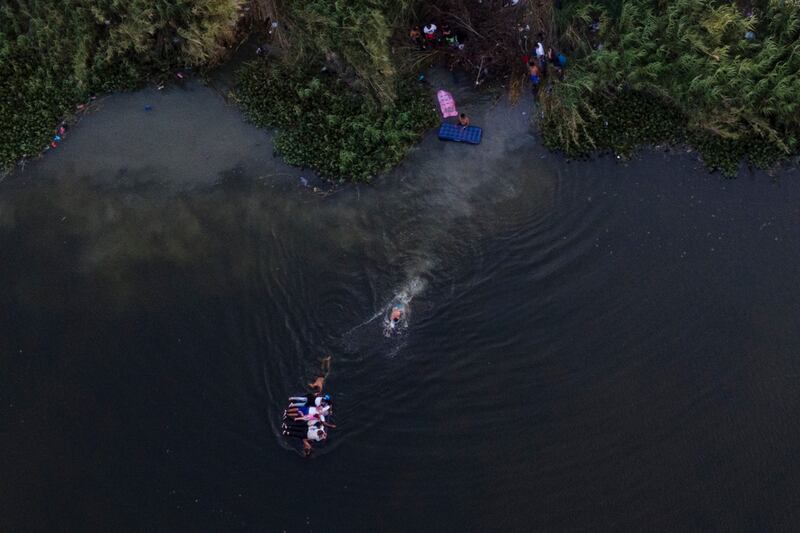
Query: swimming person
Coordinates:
[310,399]
[308,434]
[309,420]
[303,412]
[317,384]
[396,314]
[463,120]
[319,381]
[394,318]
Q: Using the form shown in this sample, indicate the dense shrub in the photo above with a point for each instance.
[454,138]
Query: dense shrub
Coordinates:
[736,97]
[53,53]
[324,124]
[618,123]
[355,34]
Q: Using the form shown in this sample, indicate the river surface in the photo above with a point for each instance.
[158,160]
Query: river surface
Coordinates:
[590,346]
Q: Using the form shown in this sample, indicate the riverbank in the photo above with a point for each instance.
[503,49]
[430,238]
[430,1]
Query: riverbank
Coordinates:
[323,124]
[732,99]
[192,135]
[55,55]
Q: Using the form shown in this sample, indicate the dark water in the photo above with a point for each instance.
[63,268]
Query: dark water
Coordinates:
[591,346]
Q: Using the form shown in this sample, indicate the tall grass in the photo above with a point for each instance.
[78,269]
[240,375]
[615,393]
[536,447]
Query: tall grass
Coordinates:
[737,97]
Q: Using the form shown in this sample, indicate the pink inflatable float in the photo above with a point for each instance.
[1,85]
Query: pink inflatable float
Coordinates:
[447,104]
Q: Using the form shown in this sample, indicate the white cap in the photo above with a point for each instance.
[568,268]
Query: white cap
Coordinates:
[429,29]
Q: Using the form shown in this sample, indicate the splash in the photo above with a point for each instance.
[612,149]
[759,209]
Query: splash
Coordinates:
[402,297]
[401,302]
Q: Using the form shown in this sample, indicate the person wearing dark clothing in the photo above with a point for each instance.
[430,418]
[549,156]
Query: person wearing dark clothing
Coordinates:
[449,37]
[307,434]
[554,59]
[416,37]
[319,381]
[431,35]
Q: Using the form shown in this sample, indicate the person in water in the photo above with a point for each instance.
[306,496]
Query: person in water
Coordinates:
[310,420]
[308,434]
[463,120]
[306,413]
[319,381]
[303,410]
[396,314]
[310,400]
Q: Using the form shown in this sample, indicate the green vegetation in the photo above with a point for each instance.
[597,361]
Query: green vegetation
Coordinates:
[353,35]
[324,124]
[55,53]
[680,71]
[719,75]
[722,76]
[361,115]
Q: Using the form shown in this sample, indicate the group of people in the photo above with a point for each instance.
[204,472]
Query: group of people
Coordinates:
[430,36]
[307,417]
[540,61]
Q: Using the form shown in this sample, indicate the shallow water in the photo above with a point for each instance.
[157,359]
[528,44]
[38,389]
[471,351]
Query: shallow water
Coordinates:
[590,346]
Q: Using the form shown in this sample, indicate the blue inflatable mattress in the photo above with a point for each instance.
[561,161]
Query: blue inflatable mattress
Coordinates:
[454,132]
